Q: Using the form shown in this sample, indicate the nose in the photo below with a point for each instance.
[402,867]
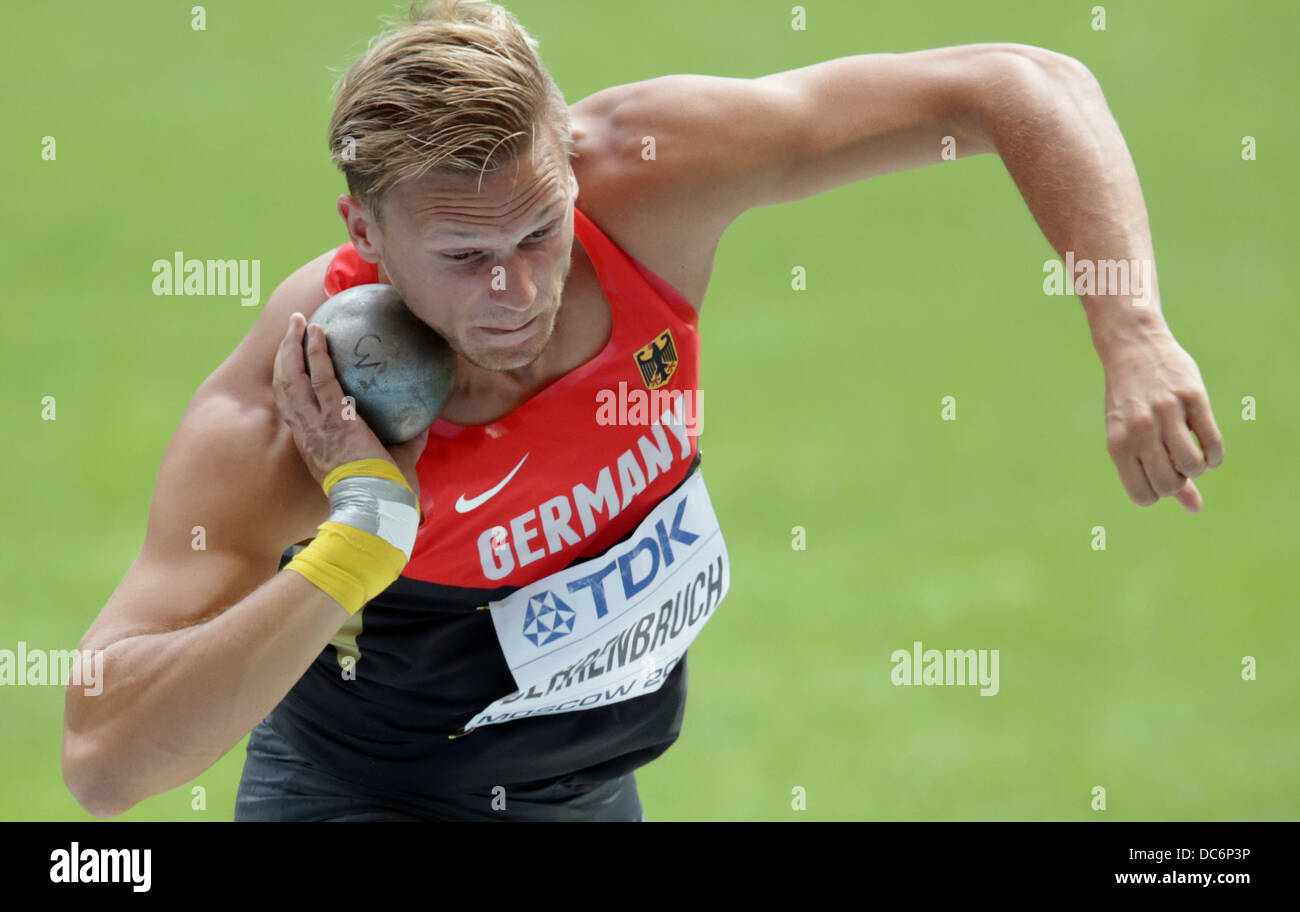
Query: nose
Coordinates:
[512,284]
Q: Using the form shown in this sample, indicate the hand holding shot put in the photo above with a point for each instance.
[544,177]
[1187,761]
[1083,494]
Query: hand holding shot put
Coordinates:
[398,377]
[313,406]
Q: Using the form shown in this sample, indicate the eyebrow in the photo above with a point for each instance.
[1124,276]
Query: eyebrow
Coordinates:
[459,233]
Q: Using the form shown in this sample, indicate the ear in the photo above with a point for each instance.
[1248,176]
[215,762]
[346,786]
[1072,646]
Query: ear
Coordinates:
[361,227]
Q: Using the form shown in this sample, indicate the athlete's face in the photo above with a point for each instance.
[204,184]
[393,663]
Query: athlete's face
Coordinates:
[479,261]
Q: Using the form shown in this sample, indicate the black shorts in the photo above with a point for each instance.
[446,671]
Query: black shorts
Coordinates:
[279,784]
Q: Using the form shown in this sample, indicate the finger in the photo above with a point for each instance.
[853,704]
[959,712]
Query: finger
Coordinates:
[1183,451]
[1161,474]
[1135,480]
[329,395]
[1190,498]
[292,389]
[1201,420]
[1156,461]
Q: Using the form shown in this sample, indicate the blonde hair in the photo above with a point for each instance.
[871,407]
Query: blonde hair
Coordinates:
[459,89]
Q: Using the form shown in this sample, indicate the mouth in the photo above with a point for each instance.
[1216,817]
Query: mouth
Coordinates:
[505,333]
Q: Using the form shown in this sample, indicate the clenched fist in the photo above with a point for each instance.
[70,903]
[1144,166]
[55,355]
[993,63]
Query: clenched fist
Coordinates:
[1157,410]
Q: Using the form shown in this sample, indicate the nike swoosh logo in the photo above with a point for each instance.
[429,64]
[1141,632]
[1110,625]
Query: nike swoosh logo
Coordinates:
[464,505]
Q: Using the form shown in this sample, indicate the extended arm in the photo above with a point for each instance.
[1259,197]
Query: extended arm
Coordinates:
[728,145]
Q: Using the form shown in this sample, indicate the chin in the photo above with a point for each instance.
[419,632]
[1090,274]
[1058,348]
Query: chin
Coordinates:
[504,359]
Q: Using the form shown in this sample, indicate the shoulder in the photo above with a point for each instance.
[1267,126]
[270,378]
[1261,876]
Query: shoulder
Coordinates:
[691,118]
[648,156]
[231,432]
[246,372]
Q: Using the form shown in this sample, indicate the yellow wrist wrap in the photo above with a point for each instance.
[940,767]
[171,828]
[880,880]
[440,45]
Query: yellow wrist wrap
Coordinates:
[350,564]
[379,468]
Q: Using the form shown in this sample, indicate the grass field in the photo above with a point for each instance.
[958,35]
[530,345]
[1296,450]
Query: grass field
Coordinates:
[1118,668]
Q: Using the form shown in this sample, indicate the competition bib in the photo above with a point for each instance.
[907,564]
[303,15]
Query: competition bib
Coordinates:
[612,628]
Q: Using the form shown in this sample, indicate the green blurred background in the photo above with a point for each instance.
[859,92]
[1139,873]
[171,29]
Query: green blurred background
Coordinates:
[1118,668]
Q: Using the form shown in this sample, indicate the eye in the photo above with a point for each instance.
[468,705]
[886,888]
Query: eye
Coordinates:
[469,257]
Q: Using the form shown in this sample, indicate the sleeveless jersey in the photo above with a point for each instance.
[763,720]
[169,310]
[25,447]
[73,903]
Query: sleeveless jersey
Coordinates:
[506,504]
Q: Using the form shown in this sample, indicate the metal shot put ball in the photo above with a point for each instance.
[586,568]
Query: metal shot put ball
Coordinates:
[397,368]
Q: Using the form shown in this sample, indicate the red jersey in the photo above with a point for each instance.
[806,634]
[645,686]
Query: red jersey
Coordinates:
[562,478]
[575,485]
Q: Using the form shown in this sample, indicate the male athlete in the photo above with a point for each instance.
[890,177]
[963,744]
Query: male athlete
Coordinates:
[490,621]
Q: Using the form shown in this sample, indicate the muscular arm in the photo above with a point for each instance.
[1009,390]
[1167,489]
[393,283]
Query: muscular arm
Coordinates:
[727,145]
[1048,120]
[199,645]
